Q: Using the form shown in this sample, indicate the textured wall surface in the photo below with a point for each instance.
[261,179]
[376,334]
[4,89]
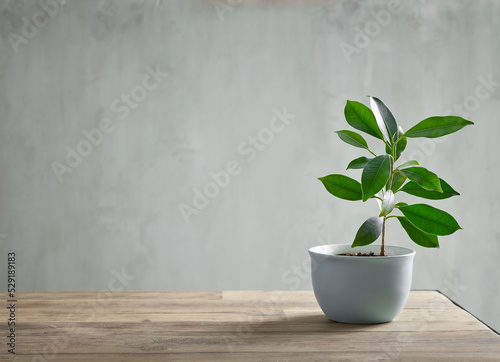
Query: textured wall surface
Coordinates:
[117,116]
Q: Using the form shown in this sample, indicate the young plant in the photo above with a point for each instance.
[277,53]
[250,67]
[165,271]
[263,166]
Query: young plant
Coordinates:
[423,223]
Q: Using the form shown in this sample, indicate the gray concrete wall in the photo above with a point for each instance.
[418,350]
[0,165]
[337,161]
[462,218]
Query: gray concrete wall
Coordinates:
[171,94]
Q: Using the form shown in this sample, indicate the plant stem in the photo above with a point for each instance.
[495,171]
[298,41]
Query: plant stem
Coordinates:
[393,159]
[391,177]
[382,248]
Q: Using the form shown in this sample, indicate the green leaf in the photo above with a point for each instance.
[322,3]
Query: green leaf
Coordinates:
[429,219]
[417,235]
[342,187]
[375,175]
[368,232]
[358,163]
[408,164]
[414,189]
[425,178]
[352,138]
[433,127]
[398,180]
[388,203]
[378,107]
[400,147]
[401,204]
[361,117]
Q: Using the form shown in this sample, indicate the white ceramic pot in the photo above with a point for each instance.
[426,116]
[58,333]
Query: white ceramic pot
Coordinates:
[359,289]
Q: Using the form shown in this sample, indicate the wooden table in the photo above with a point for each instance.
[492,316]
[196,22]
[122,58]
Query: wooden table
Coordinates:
[230,325]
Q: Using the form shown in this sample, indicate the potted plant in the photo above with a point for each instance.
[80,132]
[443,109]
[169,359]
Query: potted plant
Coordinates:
[362,282]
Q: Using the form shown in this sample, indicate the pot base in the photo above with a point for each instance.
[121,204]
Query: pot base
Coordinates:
[361,290]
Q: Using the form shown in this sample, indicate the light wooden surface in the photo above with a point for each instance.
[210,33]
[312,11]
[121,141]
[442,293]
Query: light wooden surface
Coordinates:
[231,325]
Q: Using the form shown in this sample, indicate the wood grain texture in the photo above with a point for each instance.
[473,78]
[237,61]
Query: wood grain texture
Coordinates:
[238,325]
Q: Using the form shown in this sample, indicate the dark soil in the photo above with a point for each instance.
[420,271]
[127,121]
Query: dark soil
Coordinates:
[371,253]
